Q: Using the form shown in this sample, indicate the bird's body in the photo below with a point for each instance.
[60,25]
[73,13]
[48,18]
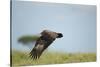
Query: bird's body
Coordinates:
[46,38]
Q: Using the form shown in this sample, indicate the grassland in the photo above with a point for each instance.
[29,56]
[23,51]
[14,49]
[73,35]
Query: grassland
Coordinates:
[22,58]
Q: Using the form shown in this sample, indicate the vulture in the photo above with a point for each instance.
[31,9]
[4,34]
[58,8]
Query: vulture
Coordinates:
[47,37]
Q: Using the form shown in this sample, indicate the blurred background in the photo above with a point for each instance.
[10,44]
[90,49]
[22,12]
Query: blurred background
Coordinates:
[77,23]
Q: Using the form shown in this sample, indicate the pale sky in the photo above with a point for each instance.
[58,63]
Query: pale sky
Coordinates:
[77,23]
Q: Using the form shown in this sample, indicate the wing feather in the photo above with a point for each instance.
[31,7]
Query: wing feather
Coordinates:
[37,51]
[41,44]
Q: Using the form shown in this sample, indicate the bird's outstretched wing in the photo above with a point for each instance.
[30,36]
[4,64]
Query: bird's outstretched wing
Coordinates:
[46,38]
[39,47]
[37,51]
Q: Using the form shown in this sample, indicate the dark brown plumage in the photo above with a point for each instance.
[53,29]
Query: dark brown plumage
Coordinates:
[46,38]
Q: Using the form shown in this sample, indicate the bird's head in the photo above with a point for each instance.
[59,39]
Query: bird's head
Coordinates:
[51,34]
[59,35]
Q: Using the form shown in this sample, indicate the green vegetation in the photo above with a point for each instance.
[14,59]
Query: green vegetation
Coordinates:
[27,39]
[22,58]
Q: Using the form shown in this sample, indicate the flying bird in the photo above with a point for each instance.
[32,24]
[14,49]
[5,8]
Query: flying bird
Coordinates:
[47,37]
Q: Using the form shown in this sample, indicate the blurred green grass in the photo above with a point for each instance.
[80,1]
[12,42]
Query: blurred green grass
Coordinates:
[22,58]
